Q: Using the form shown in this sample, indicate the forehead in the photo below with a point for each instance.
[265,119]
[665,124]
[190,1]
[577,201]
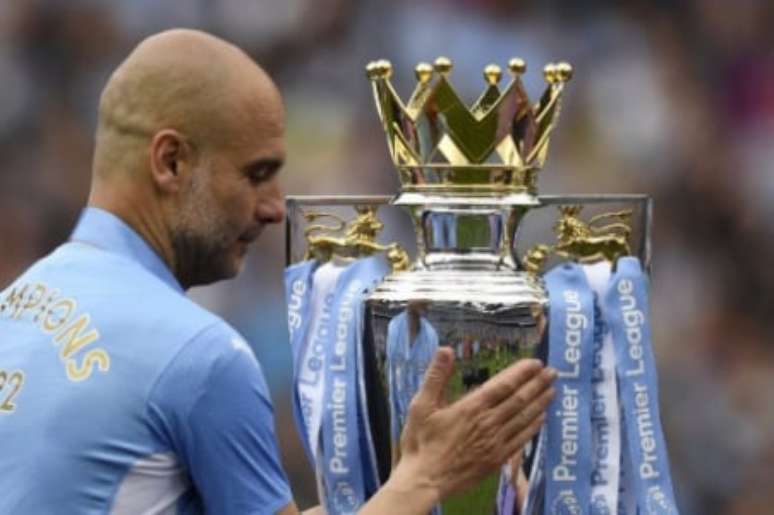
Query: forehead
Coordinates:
[257,125]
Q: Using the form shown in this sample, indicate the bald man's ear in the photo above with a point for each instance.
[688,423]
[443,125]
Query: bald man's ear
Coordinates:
[171,160]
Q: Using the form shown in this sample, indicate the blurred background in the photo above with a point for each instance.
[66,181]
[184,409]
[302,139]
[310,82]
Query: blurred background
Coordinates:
[670,98]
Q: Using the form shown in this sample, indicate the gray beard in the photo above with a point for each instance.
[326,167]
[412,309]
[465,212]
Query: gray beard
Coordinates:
[199,260]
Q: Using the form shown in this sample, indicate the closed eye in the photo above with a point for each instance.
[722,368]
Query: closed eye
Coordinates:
[262,170]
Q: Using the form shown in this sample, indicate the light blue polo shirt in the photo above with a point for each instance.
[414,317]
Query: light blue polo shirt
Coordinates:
[120,395]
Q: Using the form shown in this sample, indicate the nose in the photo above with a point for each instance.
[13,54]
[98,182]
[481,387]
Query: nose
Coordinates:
[271,207]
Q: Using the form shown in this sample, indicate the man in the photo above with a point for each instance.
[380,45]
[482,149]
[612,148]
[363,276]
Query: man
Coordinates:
[119,395]
[411,344]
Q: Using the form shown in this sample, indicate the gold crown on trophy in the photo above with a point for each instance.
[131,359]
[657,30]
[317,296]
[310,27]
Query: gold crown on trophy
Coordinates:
[441,146]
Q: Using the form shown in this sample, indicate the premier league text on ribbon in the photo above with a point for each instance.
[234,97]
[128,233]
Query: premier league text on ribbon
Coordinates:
[575,321]
[311,373]
[627,304]
[634,320]
[568,459]
[338,366]
[599,405]
[295,301]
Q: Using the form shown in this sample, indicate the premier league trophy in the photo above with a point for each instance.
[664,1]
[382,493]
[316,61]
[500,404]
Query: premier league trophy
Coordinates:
[365,320]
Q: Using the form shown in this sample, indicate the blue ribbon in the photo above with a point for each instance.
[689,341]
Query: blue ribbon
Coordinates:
[568,420]
[605,410]
[605,425]
[298,293]
[627,500]
[626,306]
[343,471]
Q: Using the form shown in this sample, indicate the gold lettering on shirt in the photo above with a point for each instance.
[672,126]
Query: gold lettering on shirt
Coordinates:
[10,384]
[73,337]
[11,304]
[34,297]
[80,372]
[57,315]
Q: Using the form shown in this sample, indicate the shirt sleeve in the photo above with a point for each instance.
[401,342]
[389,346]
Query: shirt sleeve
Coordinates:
[213,408]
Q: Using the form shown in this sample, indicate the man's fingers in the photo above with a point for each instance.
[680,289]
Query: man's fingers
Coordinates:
[525,418]
[433,389]
[520,439]
[527,393]
[503,385]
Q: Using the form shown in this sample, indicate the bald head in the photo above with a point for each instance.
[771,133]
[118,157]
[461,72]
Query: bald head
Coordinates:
[189,140]
[186,80]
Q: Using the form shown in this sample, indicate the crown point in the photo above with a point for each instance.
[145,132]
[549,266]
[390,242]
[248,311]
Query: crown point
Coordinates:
[564,71]
[517,66]
[550,73]
[381,69]
[371,72]
[443,65]
[492,74]
[384,68]
[424,72]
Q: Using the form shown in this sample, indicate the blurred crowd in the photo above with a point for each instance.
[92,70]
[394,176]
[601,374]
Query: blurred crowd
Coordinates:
[671,98]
